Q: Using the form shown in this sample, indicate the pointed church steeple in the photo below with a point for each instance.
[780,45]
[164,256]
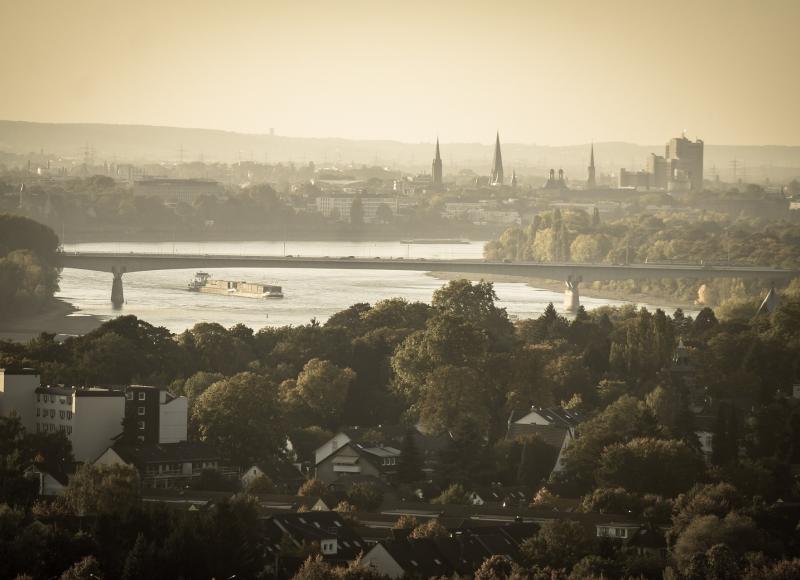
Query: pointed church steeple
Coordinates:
[590,182]
[497,164]
[436,167]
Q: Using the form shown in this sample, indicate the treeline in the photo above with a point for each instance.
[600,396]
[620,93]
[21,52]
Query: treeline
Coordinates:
[576,236]
[29,265]
[99,205]
[461,368]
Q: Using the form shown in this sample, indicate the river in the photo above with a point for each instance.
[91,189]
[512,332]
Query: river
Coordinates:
[161,297]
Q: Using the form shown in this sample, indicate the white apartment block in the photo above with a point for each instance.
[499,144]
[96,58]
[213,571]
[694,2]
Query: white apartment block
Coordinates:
[92,418]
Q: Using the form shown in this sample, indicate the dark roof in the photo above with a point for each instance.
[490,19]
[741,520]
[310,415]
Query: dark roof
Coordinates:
[14,370]
[166,452]
[311,527]
[80,391]
[419,558]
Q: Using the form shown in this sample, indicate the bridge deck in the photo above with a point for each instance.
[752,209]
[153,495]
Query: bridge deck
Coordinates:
[131,262]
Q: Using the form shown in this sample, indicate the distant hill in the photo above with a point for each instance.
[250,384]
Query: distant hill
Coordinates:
[142,143]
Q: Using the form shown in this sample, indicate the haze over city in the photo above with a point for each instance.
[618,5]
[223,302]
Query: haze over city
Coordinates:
[388,290]
[552,73]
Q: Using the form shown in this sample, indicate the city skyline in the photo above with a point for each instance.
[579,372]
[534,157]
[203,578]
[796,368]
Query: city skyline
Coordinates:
[549,74]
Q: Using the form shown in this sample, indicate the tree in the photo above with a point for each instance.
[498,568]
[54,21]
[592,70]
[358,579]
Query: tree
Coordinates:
[103,490]
[623,420]
[139,561]
[197,384]
[261,484]
[409,469]
[383,214]
[312,488]
[321,388]
[242,417]
[357,212]
[86,569]
[475,303]
[495,567]
[739,533]
[455,494]
[558,544]
[430,529]
[365,496]
[648,465]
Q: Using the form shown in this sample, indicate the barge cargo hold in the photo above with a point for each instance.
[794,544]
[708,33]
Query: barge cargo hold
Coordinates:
[203,283]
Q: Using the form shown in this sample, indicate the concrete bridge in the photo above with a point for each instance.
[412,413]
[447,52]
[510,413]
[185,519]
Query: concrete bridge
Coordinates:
[572,274]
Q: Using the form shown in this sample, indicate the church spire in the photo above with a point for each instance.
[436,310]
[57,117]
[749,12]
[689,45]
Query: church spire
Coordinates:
[590,182]
[497,164]
[436,167]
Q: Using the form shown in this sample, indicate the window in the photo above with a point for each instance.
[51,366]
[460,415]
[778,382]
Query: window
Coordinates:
[61,414]
[38,411]
[140,438]
[38,398]
[129,396]
[38,427]
[140,410]
[52,413]
[62,428]
[142,396]
[69,415]
[69,429]
[62,400]
[140,424]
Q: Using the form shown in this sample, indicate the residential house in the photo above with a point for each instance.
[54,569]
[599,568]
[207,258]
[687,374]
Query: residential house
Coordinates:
[354,458]
[169,464]
[285,476]
[556,426]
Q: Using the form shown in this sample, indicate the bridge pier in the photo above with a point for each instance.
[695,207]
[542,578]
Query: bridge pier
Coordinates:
[117,296]
[572,299]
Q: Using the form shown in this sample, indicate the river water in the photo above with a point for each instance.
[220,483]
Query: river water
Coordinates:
[161,297]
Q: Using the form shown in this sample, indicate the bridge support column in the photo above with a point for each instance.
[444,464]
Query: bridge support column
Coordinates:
[117,296]
[572,300]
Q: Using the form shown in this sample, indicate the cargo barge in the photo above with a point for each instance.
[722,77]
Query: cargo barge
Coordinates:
[203,283]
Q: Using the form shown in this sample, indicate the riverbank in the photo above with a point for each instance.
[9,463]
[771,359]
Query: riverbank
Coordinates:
[587,291]
[60,318]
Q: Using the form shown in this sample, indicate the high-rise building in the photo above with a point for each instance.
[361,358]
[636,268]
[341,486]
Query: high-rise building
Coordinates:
[497,164]
[436,167]
[590,182]
[687,157]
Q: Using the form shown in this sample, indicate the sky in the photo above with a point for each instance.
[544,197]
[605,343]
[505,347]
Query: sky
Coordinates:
[550,72]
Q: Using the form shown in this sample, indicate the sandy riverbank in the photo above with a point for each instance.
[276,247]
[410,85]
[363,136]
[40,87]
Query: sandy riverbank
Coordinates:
[556,286]
[61,318]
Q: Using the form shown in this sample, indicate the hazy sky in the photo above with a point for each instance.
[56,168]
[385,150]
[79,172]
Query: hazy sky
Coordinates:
[548,72]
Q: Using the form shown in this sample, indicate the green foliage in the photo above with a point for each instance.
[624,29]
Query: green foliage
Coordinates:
[625,419]
[313,488]
[242,416]
[103,490]
[431,529]
[647,465]
[455,494]
[559,544]
[260,484]
[737,533]
[365,496]
[86,569]
[321,390]
[29,267]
